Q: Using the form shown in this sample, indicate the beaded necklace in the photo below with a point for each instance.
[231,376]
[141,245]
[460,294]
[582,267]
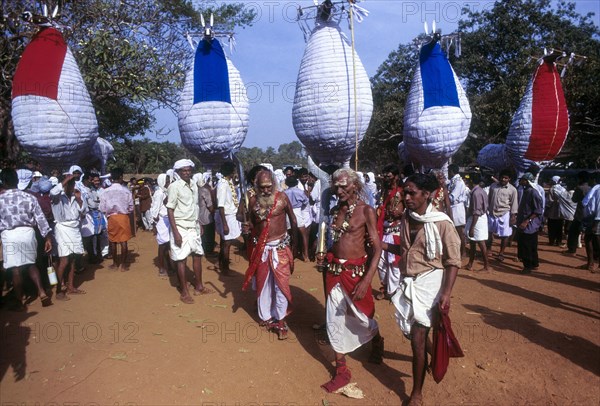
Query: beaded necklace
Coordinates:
[233,193]
[337,232]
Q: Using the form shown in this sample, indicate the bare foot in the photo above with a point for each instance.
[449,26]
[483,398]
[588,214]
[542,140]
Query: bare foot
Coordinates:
[186,299]
[469,266]
[415,400]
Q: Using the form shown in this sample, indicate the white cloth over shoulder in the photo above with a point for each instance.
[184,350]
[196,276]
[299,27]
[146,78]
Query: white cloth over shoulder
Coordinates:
[433,240]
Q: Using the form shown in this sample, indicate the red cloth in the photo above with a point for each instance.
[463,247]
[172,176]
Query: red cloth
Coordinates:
[445,344]
[348,283]
[39,69]
[549,115]
[256,257]
[282,273]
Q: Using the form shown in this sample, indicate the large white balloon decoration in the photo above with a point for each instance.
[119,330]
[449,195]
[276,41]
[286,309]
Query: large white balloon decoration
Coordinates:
[437,115]
[333,103]
[52,111]
[213,108]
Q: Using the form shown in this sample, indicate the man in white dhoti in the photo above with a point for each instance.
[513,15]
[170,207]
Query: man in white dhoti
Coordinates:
[68,209]
[503,206]
[160,219]
[430,259]
[476,228]
[20,213]
[226,222]
[458,193]
[185,238]
[350,270]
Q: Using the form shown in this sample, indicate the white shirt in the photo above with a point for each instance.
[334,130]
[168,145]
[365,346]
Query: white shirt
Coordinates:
[225,197]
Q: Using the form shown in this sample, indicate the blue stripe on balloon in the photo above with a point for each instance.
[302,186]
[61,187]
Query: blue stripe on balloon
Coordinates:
[439,88]
[211,76]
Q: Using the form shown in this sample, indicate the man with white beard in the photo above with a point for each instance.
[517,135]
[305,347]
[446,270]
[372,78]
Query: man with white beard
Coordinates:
[272,260]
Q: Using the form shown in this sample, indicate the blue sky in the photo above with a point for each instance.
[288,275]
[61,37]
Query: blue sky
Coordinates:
[268,55]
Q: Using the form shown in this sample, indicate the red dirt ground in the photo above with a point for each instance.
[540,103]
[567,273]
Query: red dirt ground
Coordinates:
[527,340]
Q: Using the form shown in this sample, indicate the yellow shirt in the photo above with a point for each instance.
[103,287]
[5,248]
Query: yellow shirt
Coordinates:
[183,199]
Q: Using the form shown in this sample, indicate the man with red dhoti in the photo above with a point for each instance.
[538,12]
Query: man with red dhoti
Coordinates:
[272,261]
[350,269]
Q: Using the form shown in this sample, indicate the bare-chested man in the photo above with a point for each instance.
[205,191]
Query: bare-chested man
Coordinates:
[350,270]
[272,260]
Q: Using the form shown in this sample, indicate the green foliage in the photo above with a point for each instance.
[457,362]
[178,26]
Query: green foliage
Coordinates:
[145,156]
[287,154]
[133,55]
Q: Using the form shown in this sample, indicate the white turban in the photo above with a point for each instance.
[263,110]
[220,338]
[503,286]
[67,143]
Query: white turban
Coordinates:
[161,181]
[556,179]
[24,176]
[74,168]
[207,176]
[53,180]
[182,163]
[198,179]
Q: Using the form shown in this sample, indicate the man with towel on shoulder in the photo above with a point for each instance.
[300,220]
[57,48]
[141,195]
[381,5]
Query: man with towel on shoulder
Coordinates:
[116,202]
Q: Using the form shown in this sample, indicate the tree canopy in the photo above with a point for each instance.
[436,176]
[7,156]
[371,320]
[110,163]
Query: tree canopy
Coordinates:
[133,55]
[499,50]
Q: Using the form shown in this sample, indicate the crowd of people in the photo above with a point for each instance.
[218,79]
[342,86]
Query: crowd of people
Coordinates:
[411,229]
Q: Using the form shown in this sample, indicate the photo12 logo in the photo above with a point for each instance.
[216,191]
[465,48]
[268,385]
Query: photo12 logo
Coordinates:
[441,11]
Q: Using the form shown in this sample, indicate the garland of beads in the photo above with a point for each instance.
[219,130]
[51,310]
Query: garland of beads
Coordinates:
[336,233]
[233,193]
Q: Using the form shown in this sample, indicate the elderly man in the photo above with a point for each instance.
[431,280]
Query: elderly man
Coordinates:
[226,222]
[502,215]
[68,209]
[116,202]
[20,213]
[272,259]
[185,238]
[350,270]
[529,221]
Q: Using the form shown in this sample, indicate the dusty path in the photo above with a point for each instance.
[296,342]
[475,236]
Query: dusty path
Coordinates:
[527,339]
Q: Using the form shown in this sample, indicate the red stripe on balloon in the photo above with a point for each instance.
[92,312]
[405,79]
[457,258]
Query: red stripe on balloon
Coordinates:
[38,71]
[550,118]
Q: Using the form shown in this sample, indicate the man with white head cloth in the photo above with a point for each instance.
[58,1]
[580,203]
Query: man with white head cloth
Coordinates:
[185,237]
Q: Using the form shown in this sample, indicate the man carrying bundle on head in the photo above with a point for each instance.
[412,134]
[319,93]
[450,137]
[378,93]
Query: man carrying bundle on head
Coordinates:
[350,268]
[272,260]
[185,238]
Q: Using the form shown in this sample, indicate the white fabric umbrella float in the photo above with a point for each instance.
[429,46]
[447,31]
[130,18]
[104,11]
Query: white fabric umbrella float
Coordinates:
[333,103]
